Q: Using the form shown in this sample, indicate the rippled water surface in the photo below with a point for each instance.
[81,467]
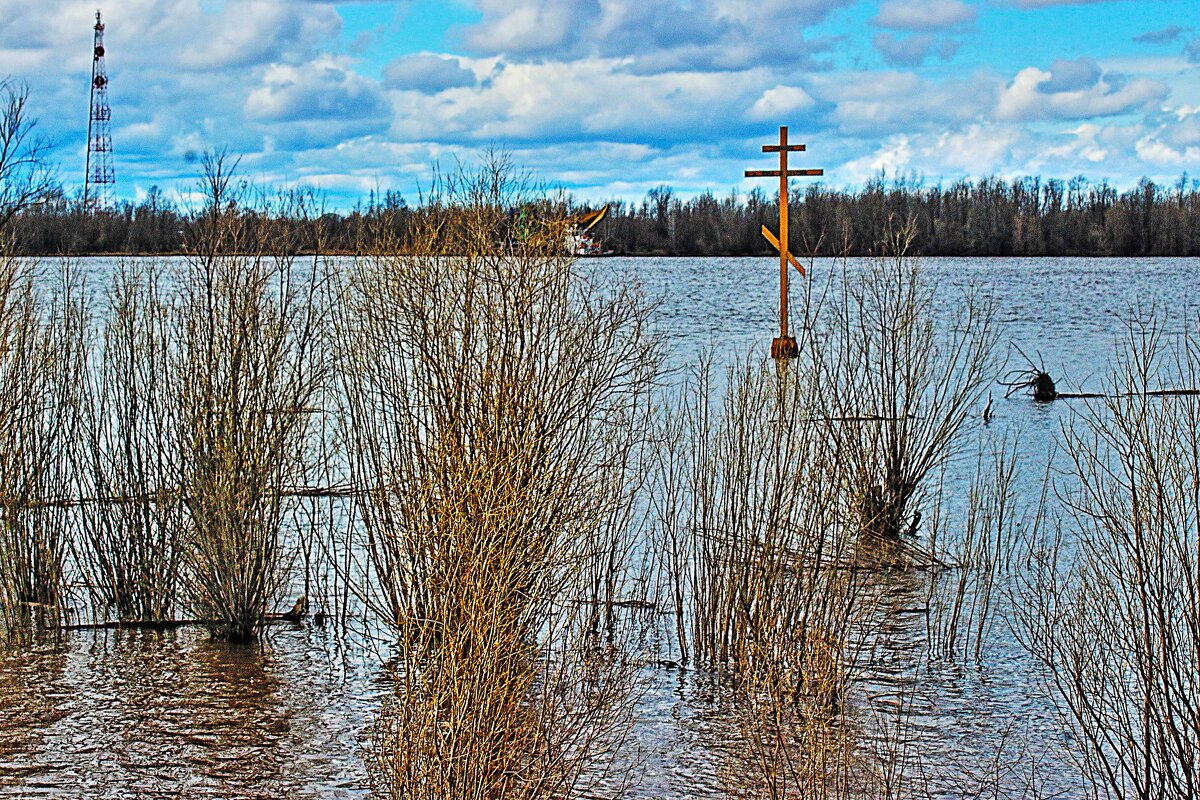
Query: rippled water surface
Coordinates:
[129,714]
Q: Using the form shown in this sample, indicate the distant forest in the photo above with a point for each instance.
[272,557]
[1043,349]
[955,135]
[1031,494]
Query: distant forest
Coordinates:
[989,217]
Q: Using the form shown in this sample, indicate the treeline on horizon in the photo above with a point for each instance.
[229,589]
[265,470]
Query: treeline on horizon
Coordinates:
[989,217]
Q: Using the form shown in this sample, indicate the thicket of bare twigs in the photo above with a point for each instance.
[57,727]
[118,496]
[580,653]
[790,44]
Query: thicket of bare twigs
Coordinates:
[778,501]
[129,453]
[249,363]
[498,403]
[40,362]
[196,419]
[904,379]
[1112,607]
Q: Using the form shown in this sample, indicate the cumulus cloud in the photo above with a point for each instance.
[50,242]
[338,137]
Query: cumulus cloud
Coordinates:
[1079,143]
[912,51]
[1157,153]
[883,103]
[924,15]
[972,150]
[655,34]
[616,95]
[1075,90]
[586,98]
[323,89]
[164,34]
[1165,35]
[427,72]
[781,102]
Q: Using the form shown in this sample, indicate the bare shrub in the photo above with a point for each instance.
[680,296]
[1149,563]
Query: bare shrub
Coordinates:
[779,498]
[131,550]
[759,547]
[762,531]
[39,368]
[1112,607]
[245,368]
[910,374]
[496,399]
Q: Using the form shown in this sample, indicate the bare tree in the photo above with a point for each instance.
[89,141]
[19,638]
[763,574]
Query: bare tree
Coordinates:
[26,175]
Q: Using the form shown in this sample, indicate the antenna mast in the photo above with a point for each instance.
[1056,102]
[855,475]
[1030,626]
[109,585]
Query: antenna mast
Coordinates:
[98,171]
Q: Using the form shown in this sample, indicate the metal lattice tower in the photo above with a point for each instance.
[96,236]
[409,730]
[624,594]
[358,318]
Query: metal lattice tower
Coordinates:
[98,178]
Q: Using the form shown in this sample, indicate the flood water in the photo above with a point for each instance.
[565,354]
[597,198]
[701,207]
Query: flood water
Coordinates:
[130,714]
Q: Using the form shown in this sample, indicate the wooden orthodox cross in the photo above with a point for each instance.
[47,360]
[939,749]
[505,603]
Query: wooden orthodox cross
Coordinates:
[783,346]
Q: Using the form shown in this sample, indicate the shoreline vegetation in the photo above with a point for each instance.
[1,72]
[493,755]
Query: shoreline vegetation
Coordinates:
[989,217]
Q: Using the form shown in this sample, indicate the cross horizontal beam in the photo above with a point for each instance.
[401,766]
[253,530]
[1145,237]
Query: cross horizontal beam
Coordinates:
[791,173]
[791,148]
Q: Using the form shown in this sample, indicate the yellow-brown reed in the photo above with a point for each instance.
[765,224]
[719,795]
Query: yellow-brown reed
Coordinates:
[759,535]
[496,404]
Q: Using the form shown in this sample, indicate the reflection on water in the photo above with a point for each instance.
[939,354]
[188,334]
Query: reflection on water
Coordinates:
[114,714]
[32,693]
[111,714]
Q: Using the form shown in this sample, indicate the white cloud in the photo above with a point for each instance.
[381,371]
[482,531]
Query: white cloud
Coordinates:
[1155,152]
[974,150]
[924,15]
[612,95]
[780,102]
[1083,145]
[893,156]
[324,89]
[979,149]
[1035,94]
[530,26]
[891,102]
[657,35]
[583,99]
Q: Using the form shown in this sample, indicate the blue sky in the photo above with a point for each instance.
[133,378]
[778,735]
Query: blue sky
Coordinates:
[609,98]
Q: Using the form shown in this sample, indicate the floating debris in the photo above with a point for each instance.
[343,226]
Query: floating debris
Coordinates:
[1033,379]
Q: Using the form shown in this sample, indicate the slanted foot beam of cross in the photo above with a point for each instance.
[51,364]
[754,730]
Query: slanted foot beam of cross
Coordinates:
[783,346]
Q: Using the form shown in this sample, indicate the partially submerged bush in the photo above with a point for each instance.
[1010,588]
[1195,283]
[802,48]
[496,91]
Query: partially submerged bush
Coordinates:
[40,364]
[904,379]
[1112,609]
[245,369]
[130,453]
[497,403]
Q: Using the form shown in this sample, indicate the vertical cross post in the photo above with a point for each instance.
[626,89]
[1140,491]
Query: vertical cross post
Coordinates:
[783,233]
[783,346]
